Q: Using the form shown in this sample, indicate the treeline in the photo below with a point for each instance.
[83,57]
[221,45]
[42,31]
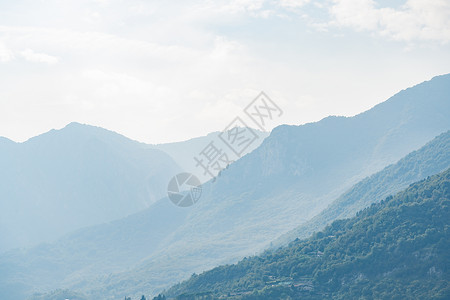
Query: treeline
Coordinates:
[159,297]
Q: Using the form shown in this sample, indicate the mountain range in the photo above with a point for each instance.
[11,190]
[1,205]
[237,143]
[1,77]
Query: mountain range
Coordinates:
[295,174]
[83,175]
[290,178]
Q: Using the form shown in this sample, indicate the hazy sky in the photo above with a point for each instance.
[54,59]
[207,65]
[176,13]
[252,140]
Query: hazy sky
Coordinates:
[160,71]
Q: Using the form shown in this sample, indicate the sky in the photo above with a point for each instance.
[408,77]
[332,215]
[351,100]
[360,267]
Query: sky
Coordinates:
[162,71]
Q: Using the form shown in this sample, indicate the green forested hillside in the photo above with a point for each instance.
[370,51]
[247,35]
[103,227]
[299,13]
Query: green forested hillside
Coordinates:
[395,249]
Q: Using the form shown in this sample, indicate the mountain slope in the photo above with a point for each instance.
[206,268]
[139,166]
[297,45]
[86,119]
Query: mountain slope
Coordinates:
[292,176]
[396,249]
[75,177]
[81,256]
[431,159]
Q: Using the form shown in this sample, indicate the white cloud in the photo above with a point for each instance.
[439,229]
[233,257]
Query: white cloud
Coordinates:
[241,5]
[224,47]
[110,84]
[293,3]
[416,20]
[76,42]
[160,72]
[32,56]
[5,54]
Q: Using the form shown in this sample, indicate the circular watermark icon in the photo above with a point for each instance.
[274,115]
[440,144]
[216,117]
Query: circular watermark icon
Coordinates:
[184,189]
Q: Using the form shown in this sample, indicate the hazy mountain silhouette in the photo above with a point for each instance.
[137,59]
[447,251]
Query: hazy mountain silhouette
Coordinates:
[74,177]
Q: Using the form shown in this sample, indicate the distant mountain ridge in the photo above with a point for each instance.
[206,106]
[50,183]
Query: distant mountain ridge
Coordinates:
[184,152]
[73,154]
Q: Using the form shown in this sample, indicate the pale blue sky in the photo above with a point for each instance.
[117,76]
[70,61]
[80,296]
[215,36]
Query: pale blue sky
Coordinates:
[160,71]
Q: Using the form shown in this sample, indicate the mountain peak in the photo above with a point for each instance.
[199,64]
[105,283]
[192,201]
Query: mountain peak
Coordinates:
[83,126]
[76,124]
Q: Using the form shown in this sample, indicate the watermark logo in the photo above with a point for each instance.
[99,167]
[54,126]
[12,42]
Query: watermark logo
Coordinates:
[261,109]
[214,157]
[212,160]
[184,189]
[238,136]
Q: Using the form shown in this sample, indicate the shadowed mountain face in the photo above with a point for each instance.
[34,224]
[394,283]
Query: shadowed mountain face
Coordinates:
[431,159]
[74,177]
[291,177]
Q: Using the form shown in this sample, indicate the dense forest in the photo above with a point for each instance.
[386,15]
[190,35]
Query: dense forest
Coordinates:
[394,249]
